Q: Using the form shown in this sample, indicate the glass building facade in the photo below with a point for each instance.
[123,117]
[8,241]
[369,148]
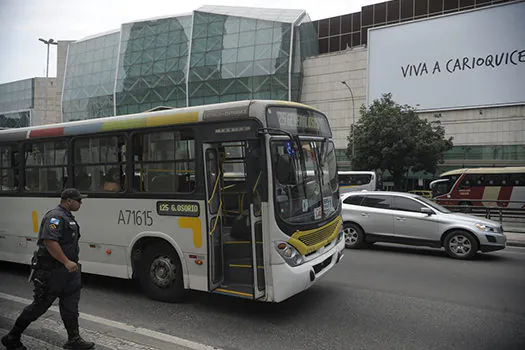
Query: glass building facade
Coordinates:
[215,54]
[16,103]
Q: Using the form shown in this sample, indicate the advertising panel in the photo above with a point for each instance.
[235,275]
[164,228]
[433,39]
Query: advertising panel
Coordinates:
[468,59]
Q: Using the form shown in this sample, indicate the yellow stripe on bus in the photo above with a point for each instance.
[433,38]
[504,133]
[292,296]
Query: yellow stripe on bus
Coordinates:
[234,292]
[195,225]
[173,119]
[35,221]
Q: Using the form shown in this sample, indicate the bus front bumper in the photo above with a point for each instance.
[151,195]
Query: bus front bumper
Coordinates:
[288,280]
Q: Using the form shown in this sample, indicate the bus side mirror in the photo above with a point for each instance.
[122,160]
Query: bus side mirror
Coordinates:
[285,170]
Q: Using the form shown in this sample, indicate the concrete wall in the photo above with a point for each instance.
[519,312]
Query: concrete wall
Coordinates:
[485,126]
[46,106]
[61,69]
[322,89]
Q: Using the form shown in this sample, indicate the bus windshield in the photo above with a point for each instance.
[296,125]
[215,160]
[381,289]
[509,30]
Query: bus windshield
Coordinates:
[313,195]
[443,185]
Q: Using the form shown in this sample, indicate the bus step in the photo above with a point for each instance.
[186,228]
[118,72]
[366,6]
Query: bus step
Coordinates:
[239,271]
[240,290]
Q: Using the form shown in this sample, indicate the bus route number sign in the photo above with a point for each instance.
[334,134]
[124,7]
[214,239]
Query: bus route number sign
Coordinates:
[170,208]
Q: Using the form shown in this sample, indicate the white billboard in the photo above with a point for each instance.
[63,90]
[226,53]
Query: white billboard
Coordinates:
[469,59]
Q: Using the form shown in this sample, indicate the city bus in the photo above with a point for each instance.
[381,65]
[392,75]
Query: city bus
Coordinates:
[351,181]
[218,198]
[481,187]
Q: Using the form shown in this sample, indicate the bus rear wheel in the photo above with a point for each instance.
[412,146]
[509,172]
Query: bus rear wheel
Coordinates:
[161,274]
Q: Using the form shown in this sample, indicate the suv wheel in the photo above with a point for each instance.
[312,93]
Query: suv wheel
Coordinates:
[354,236]
[461,245]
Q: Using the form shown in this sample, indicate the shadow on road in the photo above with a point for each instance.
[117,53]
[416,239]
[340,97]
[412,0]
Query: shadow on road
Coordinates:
[431,252]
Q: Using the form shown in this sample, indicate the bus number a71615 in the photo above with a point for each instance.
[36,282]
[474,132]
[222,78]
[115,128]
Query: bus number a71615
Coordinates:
[135,217]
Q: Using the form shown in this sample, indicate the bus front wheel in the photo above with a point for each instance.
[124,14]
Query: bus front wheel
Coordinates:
[161,274]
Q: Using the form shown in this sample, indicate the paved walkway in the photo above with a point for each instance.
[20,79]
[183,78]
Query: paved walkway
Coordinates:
[516,239]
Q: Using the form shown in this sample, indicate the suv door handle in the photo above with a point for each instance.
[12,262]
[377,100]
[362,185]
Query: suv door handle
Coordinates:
[400,219]
[364,214]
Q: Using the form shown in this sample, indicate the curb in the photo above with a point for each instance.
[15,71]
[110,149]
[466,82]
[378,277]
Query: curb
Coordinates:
[515,244]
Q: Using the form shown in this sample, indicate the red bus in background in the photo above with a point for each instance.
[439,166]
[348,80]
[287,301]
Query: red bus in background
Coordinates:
[481,187]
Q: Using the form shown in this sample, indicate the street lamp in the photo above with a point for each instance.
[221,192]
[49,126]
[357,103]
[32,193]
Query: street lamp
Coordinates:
[353,118]
[48,42]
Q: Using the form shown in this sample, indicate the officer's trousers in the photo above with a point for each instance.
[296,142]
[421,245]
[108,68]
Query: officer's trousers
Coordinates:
[48,286]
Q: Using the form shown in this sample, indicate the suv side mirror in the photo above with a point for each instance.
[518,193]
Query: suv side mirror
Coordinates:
[427,211]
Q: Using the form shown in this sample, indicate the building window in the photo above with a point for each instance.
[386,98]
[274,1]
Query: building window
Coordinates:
[450,5]
[346,24]
[421,8]
[393,11]
[323,28]
[367,15]
[380,13]
[435,6]
[407,10]
[335,43]
[335,26]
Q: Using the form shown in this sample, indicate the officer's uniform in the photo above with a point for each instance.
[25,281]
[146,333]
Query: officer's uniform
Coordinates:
[51,279]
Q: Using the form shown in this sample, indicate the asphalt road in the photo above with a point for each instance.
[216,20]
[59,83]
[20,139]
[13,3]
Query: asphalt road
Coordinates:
[389,297]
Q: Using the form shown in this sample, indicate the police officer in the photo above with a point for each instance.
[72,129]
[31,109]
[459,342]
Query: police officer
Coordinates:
[56,273]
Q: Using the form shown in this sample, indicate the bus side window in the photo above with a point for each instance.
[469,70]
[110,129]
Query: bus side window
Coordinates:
[466,182]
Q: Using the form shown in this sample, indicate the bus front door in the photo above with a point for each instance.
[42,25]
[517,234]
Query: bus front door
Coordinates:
[213,213]
[234,185]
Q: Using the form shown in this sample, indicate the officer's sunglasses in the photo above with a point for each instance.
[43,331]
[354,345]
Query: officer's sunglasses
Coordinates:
[79,200]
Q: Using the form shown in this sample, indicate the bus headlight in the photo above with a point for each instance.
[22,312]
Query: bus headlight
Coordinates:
[289,253]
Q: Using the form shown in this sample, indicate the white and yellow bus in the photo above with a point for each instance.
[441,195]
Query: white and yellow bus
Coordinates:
[352,181]
[237,198]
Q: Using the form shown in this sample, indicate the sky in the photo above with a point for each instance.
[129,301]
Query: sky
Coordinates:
[22,22]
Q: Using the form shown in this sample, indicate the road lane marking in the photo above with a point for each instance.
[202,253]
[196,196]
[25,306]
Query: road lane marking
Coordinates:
[123,326]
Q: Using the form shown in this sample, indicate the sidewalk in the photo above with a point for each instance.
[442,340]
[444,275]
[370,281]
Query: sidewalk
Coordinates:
[515,239]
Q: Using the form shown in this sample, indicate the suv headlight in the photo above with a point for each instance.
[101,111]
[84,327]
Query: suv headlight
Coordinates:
[486,228]
[289,253]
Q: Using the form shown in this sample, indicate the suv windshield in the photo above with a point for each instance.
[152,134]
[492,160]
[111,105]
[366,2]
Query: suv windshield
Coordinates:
[313,193]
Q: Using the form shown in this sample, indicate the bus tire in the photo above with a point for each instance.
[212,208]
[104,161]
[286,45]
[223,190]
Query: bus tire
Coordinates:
[354,236]
[461,245]
[161,275]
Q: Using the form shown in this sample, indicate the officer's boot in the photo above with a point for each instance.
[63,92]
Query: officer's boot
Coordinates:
[74,340]
[12,339]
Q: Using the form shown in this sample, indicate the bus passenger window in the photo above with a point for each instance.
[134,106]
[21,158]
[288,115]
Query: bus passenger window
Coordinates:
[164,161]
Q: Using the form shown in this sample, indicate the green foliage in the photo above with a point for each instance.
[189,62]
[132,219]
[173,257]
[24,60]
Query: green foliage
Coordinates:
[392,137]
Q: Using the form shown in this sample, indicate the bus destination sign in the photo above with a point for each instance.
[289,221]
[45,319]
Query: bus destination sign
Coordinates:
[298,121]
[171,208]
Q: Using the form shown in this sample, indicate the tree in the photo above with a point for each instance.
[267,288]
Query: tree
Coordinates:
[392,137]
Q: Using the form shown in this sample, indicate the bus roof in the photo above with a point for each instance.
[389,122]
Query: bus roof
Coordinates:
[212,112]
[503,170]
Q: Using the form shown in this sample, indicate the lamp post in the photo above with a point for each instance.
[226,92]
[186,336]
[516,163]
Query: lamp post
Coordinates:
[48,42]
[353,118]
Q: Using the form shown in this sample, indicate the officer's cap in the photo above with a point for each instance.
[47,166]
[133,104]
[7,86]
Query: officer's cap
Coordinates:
[72,193]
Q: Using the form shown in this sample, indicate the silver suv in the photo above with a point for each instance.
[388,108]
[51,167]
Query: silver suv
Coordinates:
[406,218]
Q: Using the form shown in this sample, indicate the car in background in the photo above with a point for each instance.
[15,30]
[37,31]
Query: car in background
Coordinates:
[405,218]
[422,193]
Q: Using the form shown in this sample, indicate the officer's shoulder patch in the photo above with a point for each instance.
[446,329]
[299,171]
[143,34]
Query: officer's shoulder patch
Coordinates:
[54,221]
[52,226]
